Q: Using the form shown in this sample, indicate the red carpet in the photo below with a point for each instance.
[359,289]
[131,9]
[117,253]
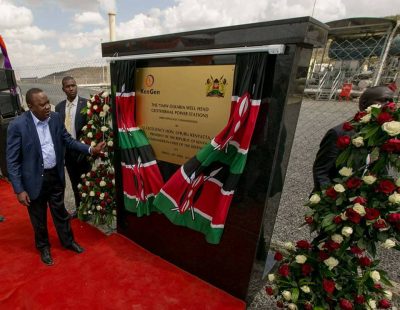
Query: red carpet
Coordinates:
[113,272]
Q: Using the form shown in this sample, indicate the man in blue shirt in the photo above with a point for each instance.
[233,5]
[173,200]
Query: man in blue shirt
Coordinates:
[36,142]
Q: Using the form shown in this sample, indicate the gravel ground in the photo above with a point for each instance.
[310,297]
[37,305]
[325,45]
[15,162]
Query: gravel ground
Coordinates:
[316,117]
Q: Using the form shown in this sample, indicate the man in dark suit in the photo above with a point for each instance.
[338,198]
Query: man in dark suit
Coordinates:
[70,112]
[324,168]
[36,142]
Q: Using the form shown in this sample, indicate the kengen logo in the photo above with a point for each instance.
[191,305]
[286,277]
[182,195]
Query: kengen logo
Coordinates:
[149,81]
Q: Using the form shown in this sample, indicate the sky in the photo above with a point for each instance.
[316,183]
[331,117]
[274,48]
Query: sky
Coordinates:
[44,32]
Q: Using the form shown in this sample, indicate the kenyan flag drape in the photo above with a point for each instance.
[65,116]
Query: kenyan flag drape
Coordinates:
[199,194]
[141,177]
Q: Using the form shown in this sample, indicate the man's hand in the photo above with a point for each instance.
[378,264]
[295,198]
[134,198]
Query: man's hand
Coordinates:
[98,148]
[24,199]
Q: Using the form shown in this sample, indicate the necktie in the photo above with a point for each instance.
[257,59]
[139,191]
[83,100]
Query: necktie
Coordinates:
[68,117]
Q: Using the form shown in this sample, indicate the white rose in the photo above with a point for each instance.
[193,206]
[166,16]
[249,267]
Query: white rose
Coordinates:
[338,287]
[314,199]
[90,122]
[106,108]
[321,245]
[306,289]
[369,109]
[371,304]
[388,244]
[105,154]
[92,99]
[365,118]
[105,94]
[359,209]
[91,194]
[87,183]
[88,104]
[83,175]
[90,135]
[92,144]
[114,212]
[102,114]
[110,143]
[88,112]
[347,231]
[104,128]
[358,142]
[375,276]
[102,196]
[292,306]
[287,295]
[394,198]
[95,107]
[337,238]
[84,128]
[392,128]
[271,277]
[98,207]
[88,174]
[113,182]
[398,182]
[346,172]
[339,188]
[369,179]
[343,216]
[289,246]
[103,183]
[300,259]
[331,262]
[79,185]
[83,195]
[388,294]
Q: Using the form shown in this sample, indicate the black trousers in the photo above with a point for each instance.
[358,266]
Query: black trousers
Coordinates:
[52,195]
[76,168]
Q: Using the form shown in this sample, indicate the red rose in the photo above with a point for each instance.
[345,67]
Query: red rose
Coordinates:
[359,115]
[278,256]
[393,217]
[384,117]
[279,304]
[306,269]
[92,174]
[345,304]
[364,261]
[284,270]
[331,245]
[391,106]
[337,219]
[384,304]
[356,250]
[371,214]
[308,306]
[343,141]
[353,183]
[380,224]
[98,194]
[361,200]
[347,126]
[103,203]
[99,135]
[330,192]
[269,290]
[377,286]
[328,285]
[386,186]
[353,216]
[309,219]
[84,188]
[89,126]
[303,244]
[391,145]
[323,255]
[359,299]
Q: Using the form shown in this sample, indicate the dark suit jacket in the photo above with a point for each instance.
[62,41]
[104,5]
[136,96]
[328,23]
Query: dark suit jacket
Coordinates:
[24,154]
[324,168]
[80,120]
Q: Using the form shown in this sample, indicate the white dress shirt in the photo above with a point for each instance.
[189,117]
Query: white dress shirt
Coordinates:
[46,142]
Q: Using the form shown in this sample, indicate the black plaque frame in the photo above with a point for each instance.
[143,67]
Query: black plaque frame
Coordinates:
[230,264]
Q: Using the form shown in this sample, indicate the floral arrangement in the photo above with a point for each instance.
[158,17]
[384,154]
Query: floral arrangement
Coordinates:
[360,210]
[97,188]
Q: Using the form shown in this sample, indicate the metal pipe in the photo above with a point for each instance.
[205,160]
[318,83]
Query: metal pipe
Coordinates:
[271,49]
[386,52]
[111,23]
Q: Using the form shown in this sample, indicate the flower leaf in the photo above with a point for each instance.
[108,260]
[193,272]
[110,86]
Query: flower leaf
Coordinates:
[295,294]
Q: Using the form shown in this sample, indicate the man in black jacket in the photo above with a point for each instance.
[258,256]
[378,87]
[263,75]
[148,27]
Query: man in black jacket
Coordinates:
[324,168]
[70,112]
